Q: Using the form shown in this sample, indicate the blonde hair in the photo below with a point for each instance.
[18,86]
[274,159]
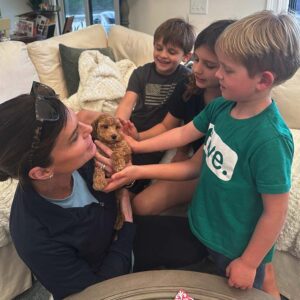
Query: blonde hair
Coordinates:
[264,41]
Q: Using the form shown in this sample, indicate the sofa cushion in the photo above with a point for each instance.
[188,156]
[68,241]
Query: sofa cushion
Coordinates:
[16,72]
[69,61]
[287,98]
[131,44]
[46,58]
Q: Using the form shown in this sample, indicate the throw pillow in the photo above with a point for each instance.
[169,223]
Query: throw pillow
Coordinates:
[69,61]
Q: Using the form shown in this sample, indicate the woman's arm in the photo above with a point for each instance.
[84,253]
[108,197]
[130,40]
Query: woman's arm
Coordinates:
[58,267]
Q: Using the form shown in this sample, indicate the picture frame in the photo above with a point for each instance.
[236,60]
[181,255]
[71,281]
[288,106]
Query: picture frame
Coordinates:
[41,23]
[26,27]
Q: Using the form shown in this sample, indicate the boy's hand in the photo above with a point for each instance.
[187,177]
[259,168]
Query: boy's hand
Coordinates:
[240,275]
[129,129]
[133,144]
[124,177]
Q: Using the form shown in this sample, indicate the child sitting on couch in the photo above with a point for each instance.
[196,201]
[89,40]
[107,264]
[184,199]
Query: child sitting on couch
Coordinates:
[149,87]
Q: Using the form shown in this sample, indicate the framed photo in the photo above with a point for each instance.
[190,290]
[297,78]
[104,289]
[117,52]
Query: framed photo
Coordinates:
[41,23]
[26,27]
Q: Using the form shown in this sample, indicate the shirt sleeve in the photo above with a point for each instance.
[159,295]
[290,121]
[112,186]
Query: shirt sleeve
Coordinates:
[271,165]
[135,83]
[58,267]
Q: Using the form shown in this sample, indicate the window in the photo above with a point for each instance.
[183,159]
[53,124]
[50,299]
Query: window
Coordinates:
[87,12]
[294,6]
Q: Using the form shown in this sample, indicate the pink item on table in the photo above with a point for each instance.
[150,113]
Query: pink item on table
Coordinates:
[182,295]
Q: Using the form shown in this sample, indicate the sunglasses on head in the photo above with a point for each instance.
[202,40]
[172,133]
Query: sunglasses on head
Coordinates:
[44,112]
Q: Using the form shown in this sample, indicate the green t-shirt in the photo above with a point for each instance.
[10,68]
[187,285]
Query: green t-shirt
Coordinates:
[243,158]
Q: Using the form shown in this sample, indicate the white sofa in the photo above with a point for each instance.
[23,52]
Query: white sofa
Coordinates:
[21,64]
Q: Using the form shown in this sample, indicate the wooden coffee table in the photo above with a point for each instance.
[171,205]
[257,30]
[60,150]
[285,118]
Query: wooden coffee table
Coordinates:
[165,284]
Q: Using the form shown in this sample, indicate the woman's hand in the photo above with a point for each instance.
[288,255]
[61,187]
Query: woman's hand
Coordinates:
[101,160]
[129,129]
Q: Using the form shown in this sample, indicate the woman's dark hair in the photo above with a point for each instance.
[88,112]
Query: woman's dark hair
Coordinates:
[207,37]
[17,127]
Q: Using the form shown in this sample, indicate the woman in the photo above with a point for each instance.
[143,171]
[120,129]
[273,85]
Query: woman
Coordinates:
[61,227]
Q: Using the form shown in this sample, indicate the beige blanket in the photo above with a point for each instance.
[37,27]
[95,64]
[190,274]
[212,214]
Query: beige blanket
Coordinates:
[7,191]
[102,82]
[289,238]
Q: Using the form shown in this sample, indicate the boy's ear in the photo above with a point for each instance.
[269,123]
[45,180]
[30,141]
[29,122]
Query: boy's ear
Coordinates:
[266,80]
[187,57]
[38,173]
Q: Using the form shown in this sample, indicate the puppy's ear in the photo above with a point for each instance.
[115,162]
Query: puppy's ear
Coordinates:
[95,126]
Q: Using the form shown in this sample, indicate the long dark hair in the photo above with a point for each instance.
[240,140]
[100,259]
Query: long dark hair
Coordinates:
[208,38]
[17,127]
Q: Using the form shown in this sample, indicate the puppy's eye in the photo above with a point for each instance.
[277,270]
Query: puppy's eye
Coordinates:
[118,127]
[104,126]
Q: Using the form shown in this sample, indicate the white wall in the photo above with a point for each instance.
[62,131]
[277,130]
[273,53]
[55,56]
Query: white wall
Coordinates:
[11,8]
[146,15]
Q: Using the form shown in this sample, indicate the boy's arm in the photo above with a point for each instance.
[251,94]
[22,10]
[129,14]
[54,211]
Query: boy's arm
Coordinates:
[184,170]
[126,105]
[241,271]
[169,122]
[170,139]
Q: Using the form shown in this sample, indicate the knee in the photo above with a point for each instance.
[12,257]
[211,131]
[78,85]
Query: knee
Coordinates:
[142,207]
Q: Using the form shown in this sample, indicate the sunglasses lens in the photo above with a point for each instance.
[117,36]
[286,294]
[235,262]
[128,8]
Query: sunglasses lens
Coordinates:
[44,110]
[41,90]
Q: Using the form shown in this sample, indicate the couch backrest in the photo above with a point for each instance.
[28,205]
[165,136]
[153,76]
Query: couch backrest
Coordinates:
[287,97]
[134,45]
[16,70]
[46,58]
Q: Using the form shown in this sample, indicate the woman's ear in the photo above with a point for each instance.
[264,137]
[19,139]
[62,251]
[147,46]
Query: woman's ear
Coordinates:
[187,57]
[38,173]
[266,80]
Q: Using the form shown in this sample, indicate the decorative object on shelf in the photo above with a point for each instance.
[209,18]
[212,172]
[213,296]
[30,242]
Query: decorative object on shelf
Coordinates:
[26,28]
[41,23]
[42,6]
[68,24]
[34,4]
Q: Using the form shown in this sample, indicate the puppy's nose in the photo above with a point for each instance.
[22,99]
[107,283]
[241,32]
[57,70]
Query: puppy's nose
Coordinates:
[113,136]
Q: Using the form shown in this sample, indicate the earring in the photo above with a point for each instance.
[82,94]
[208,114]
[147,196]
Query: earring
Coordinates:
[50,176]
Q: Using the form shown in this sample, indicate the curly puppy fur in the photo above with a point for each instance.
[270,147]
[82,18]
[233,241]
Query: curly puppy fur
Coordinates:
[107,130]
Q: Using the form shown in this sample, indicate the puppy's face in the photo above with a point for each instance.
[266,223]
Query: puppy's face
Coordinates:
[107,129]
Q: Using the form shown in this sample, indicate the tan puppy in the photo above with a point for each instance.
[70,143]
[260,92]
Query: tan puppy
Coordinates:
[107,130]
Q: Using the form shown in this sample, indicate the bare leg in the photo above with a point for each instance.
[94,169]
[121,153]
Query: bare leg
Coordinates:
[163,195]
[269,284]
